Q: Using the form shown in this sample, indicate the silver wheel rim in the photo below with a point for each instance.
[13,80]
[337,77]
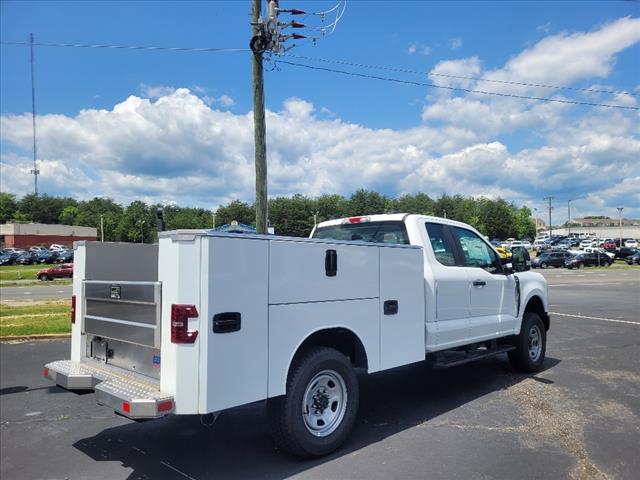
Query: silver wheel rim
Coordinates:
[324,403]
[534,342]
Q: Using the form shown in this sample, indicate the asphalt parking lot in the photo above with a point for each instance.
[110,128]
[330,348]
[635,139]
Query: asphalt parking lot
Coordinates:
[579,418]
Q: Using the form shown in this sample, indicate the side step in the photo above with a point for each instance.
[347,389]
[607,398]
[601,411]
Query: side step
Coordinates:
[453,358]
[128,393]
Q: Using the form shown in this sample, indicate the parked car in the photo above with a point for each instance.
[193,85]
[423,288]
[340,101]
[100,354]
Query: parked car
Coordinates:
[586,243]
[631,243]
[526,244]
[12,253]
[551,259]
[46,257]
[5,259]
[592,259]
[609,244]
[57,247]
[37,249]
[26,258]
[601,251]
[633,259]
[61,271]
[625,252]
[65,256]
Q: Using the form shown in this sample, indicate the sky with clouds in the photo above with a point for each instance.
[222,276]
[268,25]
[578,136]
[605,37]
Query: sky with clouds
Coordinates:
[178,126]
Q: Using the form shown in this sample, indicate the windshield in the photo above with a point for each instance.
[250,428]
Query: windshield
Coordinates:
[377,232]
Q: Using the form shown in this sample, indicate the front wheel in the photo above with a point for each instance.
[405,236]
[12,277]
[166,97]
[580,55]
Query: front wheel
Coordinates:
[319,409]
[531,345]
[43,277]
[543,265]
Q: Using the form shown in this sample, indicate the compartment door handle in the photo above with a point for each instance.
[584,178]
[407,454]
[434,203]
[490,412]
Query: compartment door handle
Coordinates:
[227,322]
[331,263]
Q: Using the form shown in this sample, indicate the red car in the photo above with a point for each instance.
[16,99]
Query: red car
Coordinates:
[64,270]
[609,245]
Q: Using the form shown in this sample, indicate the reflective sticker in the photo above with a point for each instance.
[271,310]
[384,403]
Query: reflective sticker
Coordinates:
[156,361]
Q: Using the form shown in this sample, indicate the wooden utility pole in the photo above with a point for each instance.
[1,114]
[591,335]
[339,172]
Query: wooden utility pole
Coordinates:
[259,130]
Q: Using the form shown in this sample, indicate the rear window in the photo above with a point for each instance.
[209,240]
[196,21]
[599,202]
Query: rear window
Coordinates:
[376,232]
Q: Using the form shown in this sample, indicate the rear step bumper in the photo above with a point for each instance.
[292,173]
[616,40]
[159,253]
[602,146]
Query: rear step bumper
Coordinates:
[128,393]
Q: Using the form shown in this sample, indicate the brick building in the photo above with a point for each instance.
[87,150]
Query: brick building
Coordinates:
[25,235]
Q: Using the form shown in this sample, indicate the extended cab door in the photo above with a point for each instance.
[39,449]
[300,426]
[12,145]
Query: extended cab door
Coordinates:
[491,293]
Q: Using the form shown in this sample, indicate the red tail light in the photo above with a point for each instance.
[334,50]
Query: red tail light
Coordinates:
[73,309]
[180,315]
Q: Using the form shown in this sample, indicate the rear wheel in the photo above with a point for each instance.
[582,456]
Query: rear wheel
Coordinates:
[531,345]
[318,412]
[44,277]
[543,265]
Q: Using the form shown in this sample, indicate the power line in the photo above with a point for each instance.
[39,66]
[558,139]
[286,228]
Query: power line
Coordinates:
[131,47]
[460,77]
[457,89]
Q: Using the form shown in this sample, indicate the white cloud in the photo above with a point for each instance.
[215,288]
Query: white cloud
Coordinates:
[455,43]
[417,47]
[155,91]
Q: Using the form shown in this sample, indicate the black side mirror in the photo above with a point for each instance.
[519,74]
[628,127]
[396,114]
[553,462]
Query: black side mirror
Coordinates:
[520,259]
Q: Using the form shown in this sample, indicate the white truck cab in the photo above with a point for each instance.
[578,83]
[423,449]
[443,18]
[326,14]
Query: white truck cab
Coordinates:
[203,322]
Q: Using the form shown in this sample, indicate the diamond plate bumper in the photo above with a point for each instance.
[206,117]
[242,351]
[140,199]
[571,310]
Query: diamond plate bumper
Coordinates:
[128,393]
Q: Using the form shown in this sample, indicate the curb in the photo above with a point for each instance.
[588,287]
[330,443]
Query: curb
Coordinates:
[27,338]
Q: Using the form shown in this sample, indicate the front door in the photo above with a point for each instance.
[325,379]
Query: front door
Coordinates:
[491,298]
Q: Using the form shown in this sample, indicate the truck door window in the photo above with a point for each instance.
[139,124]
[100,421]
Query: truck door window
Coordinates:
[441,245]
[476,252]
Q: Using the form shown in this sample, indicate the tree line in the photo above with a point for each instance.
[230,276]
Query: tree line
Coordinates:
[291,216]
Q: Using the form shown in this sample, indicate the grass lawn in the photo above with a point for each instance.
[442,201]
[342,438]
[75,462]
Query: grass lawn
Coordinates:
[45,318]
[22,272]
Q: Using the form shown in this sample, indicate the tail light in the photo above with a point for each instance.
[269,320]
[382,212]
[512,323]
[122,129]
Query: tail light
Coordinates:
[73,309]
[180,315]
[356,220]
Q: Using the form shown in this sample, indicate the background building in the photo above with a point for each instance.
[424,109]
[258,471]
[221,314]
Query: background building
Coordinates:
[25,235]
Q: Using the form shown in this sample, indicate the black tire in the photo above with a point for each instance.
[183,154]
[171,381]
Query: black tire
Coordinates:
[43,277]
[521,358]
[543,265]
[288,426]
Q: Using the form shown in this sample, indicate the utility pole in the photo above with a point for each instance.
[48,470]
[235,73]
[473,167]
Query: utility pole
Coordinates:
[101,227]
[550,208]
[35,170]
[536,219]
[259,132]
[569,216]
[620,223]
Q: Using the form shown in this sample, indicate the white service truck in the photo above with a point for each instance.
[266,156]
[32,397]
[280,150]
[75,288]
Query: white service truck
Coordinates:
[202,322]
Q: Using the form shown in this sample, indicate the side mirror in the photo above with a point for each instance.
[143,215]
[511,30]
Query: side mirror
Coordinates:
[507,266]
[520,259]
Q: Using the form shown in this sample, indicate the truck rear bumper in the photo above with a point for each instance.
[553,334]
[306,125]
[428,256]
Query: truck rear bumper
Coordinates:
[128,393]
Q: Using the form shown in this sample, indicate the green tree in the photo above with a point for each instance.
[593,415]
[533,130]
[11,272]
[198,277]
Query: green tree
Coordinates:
[367,202]
[137,222]
[292,216]
[525,226]
[68,215]
[329,207]
[44,208]
[8,207]
[236,210]
[89,213]
[420,204]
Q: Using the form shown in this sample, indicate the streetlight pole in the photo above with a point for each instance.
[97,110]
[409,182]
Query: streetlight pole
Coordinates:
[102,227]
[536,219]
[569,216]
[141,231]
[620,223]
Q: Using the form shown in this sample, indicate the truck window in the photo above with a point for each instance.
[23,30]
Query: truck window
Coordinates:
[377,232]
[442,248]
[476,252]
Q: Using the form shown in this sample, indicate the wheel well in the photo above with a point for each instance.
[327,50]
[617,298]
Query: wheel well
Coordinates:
[535,305]
[341,339]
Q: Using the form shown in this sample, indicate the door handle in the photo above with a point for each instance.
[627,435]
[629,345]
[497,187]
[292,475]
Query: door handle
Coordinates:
[479,283]
[227,322]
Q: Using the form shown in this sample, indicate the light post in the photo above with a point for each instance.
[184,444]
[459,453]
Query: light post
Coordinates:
[102,227]
[620,223]
[213,219]
[536,219]
[569,216]
[141,222]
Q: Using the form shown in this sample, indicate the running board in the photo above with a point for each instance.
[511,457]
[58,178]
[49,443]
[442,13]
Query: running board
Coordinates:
[128,393]
[456,358]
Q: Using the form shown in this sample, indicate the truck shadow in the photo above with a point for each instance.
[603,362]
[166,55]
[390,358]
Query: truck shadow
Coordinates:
[239,444]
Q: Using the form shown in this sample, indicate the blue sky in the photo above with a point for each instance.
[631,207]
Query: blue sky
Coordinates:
[120,123]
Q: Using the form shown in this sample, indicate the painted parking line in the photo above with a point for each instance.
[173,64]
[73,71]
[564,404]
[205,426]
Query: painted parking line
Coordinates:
[587,284]
[27,293]
[613,320]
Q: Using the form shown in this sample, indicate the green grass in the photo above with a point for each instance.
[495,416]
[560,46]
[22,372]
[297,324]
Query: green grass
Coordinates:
[22,272]
[35,320]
